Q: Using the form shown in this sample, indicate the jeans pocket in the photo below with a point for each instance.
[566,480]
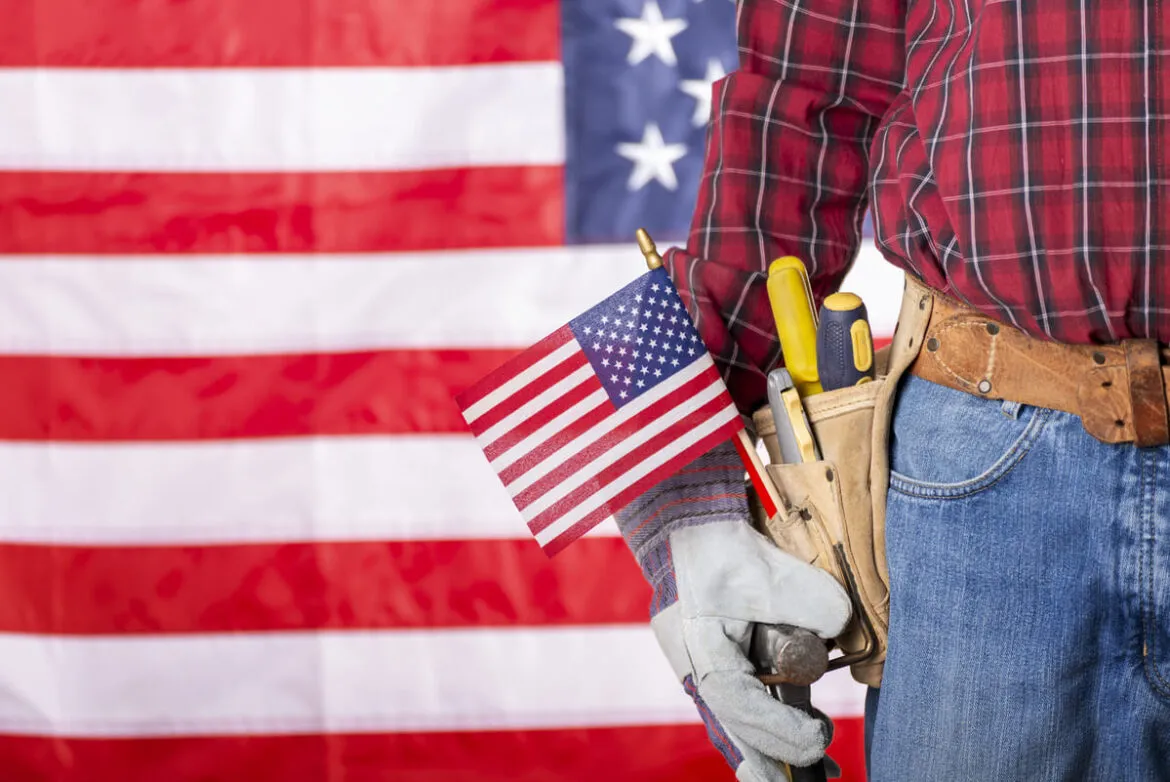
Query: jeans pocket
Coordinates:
[949,444]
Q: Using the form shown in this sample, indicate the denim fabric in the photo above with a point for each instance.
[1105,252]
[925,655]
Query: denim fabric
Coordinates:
[1030,598]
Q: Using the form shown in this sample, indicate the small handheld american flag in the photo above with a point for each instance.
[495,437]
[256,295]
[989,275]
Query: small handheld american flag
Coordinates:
[598,412]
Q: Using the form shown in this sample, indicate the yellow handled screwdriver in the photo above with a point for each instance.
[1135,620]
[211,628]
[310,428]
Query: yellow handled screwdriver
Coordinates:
[790,295]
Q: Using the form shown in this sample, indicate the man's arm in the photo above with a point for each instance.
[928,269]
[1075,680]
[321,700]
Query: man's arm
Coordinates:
[786,168]
[785,173]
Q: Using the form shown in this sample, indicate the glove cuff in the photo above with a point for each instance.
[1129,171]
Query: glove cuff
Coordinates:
[709,489]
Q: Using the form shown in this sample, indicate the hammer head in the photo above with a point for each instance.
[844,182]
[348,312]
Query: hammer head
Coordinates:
[788,655]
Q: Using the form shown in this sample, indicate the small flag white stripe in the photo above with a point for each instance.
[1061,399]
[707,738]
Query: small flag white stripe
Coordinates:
[588,472]
[538,403]
[281,119]
[515,384]
[508,456]
[644,468]
[578,444]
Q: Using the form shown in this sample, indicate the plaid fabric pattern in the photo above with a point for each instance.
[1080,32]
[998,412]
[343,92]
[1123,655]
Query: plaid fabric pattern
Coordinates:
[715,732]
[1015,155]
[711,488]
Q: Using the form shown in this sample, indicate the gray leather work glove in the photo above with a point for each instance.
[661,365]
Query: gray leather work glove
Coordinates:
[714,578]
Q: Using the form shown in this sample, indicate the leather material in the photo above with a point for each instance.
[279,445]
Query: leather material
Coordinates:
[1118,391]
[835,508]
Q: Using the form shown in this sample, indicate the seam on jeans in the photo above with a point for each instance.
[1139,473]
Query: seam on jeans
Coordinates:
[1158,682]
[990,477]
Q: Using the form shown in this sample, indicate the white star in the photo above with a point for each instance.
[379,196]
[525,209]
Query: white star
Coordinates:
[643,327]
[653,301]
[651,34]
[617,365]
[700,90]
[621,308]
[626,381]
[674,318]
[597,346]
[609,348]
[653,287]
[605,319]
[658,373]
[588,330]
[639,342]
[674,362]
[691,351]
[637,297]
[636,352]
[613,378]
[623,394]
[605,362]
[653,159]
[621,351]
[640,384]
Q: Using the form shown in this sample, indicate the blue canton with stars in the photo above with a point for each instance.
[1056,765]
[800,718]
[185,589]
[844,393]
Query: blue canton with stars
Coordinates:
[638,337]
[638,76]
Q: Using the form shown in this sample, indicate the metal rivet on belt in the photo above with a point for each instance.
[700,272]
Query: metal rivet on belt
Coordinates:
[1099,357]
[992,329]
[984,386]
[932,344]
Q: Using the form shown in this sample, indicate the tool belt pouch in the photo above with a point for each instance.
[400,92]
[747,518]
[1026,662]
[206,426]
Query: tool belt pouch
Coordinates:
[834,509]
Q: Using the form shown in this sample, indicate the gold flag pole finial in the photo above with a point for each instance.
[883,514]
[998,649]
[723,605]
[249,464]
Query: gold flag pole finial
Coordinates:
[646,244]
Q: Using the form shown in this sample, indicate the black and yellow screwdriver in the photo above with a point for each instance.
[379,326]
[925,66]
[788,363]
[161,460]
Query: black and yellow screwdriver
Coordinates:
[844,343]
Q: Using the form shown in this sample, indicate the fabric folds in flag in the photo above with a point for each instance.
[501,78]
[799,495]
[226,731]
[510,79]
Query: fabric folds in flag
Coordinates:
[598,412]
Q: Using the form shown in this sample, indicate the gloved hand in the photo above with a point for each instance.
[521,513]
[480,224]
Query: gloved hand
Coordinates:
[714,577]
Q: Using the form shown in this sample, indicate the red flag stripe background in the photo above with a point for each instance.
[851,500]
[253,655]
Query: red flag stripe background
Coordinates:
[204,456]
[263,33]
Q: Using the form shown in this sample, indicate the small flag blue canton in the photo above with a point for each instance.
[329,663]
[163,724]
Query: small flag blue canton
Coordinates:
[638,337]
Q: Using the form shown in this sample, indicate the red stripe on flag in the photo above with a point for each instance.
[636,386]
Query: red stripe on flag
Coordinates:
[560,543]
[352,211]
[579,460]
[545,416]
[107,399]
[625,464]
[634,753]
[546,381]
[251,33]
[124,590]
[571,431]
[509,369]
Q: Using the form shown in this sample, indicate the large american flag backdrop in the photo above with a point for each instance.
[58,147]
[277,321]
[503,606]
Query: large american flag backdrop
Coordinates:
[251,251]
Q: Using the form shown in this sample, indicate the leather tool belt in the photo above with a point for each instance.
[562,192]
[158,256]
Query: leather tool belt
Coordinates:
[1118,391]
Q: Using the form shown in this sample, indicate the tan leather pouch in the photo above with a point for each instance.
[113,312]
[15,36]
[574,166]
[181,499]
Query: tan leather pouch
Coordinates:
[834,514]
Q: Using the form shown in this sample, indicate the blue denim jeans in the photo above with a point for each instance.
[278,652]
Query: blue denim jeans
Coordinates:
[1030,598]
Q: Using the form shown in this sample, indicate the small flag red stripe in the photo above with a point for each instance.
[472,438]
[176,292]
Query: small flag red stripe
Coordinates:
[581,459]
[533,423]
[548,380]
[559,544]
[625,464]
[550,446]
[513,366]
[52,212]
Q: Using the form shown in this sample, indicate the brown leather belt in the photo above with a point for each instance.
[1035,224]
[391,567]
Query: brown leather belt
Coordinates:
[1119,391]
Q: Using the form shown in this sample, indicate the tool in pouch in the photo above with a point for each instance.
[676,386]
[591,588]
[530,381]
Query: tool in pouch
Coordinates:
[831,508]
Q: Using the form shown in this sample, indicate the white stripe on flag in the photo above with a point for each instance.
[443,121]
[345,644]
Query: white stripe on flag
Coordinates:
[577,445]
[521,379]
[292,682]
[208,305]
[540,401]
[588,471]
[328,488]
[509,456]
[628,478]
[281,119]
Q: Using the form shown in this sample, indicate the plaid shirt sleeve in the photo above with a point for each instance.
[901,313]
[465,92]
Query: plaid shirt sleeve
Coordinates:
[784,173]
[785,168]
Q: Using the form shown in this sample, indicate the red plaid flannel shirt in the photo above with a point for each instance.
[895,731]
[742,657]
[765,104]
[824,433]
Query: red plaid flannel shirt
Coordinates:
[1015,154]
